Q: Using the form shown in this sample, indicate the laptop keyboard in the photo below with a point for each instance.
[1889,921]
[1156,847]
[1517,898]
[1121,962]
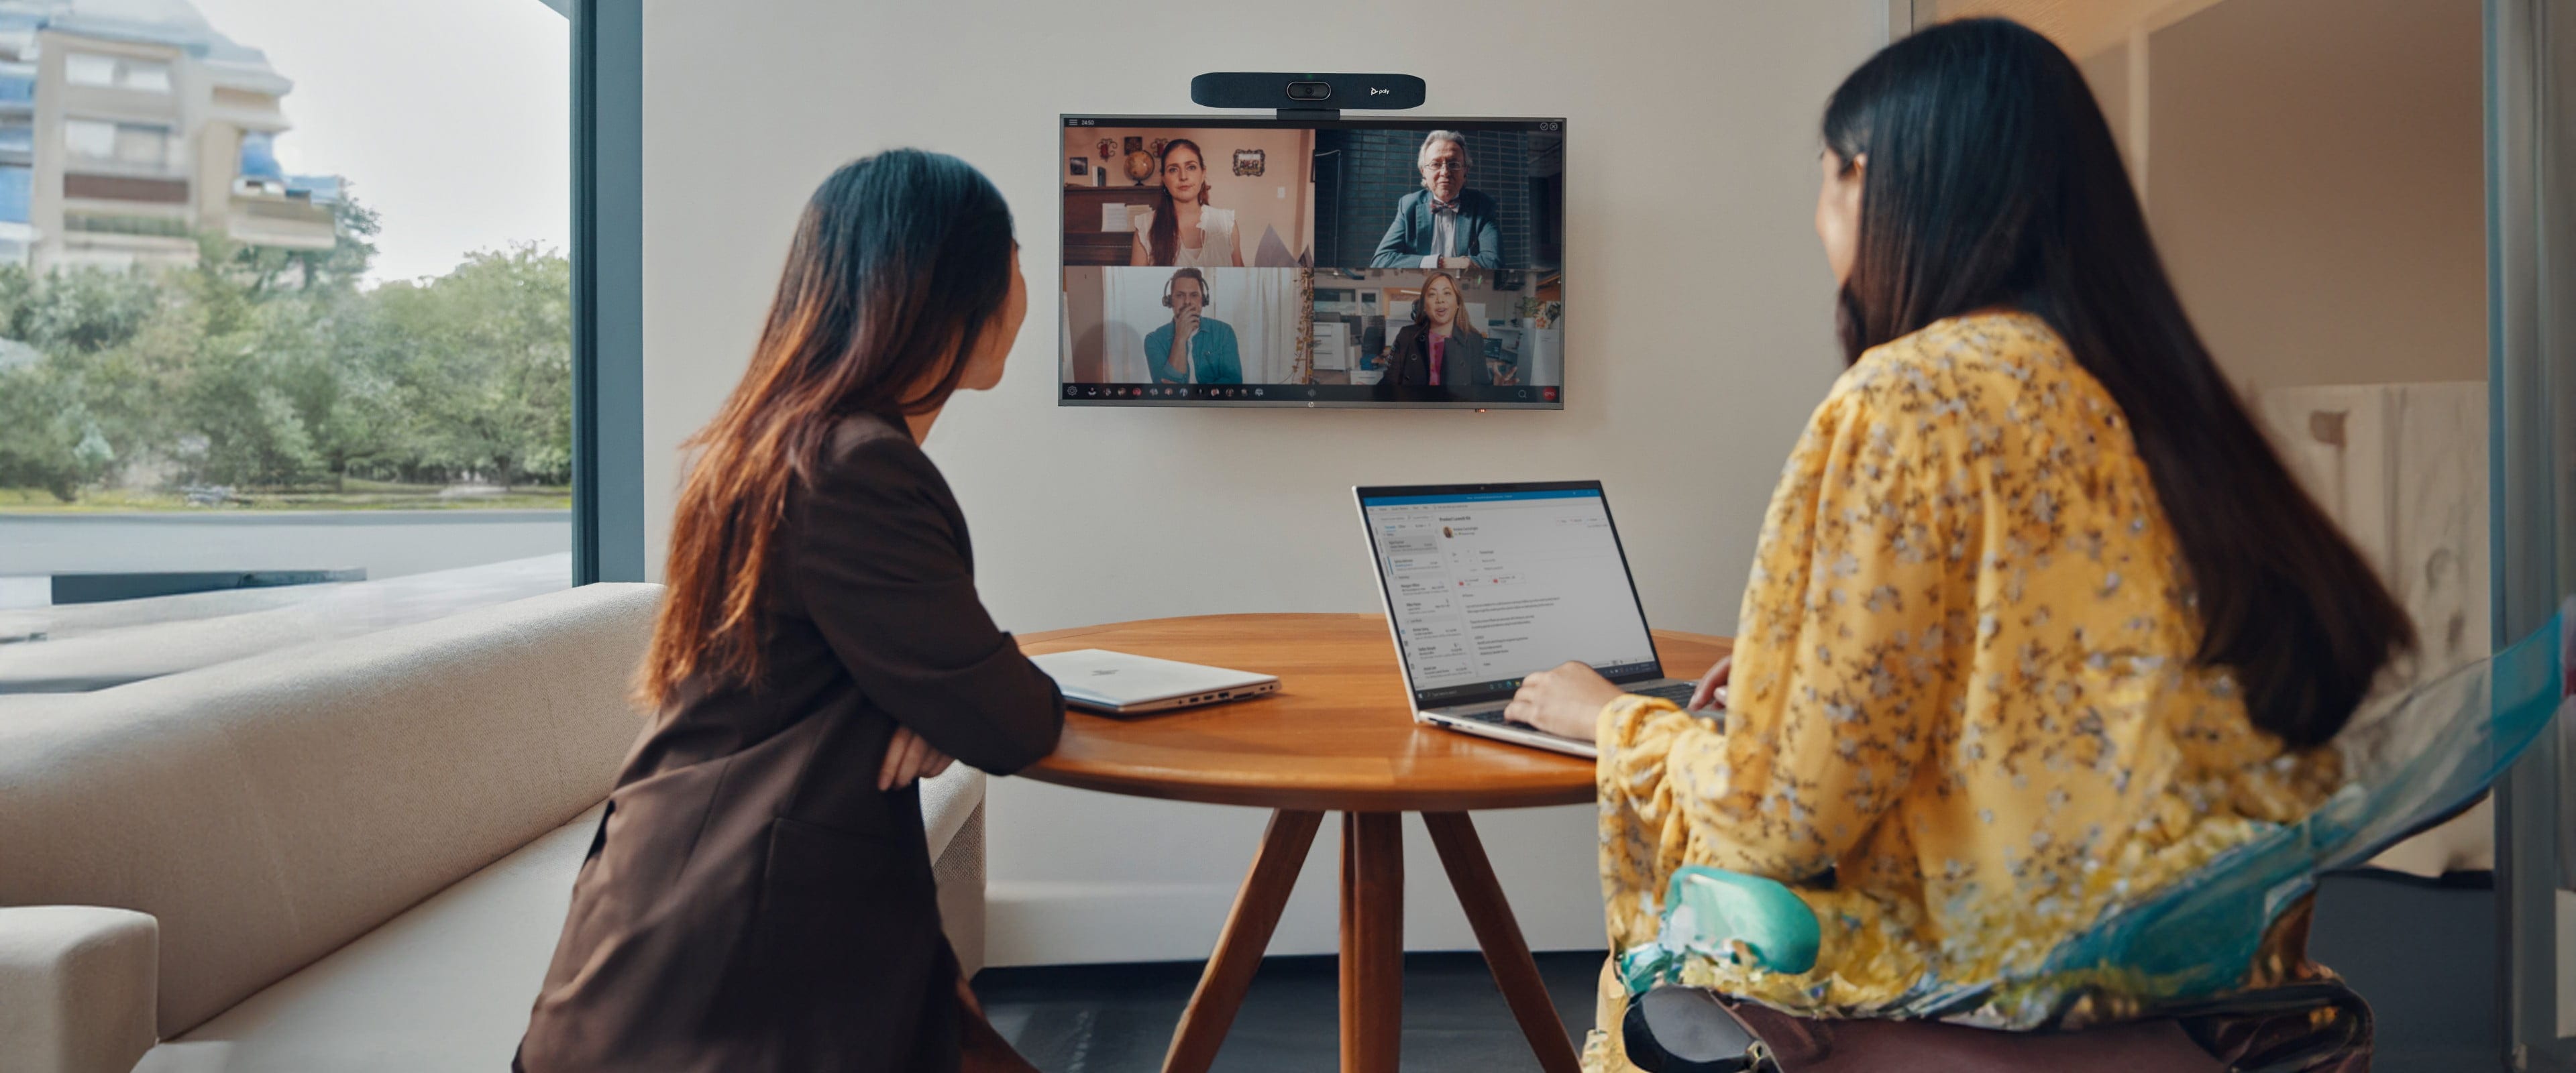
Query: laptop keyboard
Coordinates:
[1679,692]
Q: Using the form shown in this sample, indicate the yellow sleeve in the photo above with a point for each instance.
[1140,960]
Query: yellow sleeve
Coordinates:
[1841,660]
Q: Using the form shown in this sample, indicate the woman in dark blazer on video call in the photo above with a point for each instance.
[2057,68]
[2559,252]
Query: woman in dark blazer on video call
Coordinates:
[759,896]
[1440,316]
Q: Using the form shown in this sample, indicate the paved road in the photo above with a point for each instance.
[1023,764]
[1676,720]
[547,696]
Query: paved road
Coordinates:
[387,543]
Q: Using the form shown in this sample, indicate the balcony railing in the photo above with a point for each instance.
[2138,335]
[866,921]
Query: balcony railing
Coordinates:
[162,226]
[295,210]
[264,219]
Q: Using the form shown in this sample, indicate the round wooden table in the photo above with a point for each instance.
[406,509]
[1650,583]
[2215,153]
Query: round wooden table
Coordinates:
[1339,736]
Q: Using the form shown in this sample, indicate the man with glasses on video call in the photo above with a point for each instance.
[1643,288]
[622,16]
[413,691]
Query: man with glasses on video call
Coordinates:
[1444,224]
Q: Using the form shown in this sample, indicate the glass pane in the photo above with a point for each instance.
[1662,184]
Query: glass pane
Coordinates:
[330,393]
[259,158]
[89,138]
[14,184]
[2555,192]
[85,69]
[142,145]
[147,76]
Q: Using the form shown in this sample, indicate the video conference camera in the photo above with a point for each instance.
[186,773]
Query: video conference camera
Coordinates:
[1305,92]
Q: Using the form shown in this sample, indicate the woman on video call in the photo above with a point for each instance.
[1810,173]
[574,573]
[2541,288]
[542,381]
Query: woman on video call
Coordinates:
[1438,349]
[1182,230]
[2037,623]
[759,896]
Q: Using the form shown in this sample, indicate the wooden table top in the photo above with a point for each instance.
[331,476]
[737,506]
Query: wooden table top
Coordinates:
[1339,735]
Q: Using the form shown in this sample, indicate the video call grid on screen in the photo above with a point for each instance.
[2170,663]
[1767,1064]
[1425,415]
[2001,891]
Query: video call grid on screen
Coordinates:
[1304,280]
[1486,586]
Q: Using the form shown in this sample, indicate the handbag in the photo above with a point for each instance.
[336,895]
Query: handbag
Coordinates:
[2317,1026]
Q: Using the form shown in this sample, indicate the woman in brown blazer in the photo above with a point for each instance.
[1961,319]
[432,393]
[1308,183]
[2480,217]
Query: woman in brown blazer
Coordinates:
[759,896]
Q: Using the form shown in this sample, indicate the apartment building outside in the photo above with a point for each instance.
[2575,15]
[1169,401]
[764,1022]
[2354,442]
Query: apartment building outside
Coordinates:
[129,127]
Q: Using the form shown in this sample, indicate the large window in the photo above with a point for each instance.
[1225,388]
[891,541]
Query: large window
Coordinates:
[116,72]
[89,139]
[15,180]
[98,141]
[301,329]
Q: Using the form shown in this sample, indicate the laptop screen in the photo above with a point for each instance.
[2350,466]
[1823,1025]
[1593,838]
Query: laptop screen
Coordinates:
[1486,584]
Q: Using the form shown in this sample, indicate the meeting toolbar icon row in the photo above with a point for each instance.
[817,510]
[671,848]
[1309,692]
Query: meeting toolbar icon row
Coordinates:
[1166,391]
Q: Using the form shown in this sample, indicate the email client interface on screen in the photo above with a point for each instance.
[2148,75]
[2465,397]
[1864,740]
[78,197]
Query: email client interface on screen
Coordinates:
[1486,588]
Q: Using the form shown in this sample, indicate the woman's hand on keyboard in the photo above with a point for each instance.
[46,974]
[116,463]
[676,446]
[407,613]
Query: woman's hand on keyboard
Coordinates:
[1566,701]
[1712,686]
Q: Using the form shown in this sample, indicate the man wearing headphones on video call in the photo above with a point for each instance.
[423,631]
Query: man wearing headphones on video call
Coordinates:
[1194,348]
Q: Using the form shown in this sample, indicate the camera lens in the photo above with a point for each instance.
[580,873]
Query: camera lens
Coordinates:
[1309,91]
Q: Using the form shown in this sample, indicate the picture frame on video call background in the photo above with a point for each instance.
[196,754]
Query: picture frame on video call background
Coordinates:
[1317,263]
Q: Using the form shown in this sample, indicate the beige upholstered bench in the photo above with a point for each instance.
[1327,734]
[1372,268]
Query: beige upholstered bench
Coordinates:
[348,855]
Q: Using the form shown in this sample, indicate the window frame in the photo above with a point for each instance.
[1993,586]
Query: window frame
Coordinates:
[607,291]
[2531,165]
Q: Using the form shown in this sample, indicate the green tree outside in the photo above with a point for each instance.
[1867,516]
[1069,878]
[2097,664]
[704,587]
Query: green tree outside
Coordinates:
[272,372]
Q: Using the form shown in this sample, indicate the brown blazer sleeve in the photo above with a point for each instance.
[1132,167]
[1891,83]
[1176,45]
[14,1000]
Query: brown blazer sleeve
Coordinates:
[882,566]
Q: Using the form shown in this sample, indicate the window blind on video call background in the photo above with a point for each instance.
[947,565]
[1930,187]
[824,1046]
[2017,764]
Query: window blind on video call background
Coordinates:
[1487,588]
[1314,243]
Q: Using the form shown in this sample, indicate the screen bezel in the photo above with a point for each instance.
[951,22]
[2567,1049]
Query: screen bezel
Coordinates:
[1487,692]
[1293,399]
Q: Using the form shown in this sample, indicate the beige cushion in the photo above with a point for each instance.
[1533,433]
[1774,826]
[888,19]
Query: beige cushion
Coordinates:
[444,986]
[448,985]
[76,987]
[958,868]
[269,810]
[952,811]
[95,646]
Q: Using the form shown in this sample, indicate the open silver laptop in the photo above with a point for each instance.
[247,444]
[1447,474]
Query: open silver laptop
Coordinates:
[1117,682]
[1486,584]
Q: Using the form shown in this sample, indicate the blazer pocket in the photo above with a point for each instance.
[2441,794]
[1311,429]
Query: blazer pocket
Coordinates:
[810,863]
[843,915]
[845,966]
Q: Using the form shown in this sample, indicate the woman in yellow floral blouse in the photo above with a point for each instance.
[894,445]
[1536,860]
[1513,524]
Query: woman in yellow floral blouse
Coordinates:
[2038,620]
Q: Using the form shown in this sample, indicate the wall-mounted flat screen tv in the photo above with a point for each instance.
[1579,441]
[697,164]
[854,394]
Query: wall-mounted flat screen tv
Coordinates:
[1251,261]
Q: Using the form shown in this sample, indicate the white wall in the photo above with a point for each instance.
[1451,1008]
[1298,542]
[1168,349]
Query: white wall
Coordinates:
[1700,337]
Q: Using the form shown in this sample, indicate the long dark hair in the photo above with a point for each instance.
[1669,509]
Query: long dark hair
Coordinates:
[1992,180]
[1163,239]
[900,263]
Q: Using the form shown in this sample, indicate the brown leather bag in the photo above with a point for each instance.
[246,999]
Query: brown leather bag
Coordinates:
[2308,1028]
[2316,1026]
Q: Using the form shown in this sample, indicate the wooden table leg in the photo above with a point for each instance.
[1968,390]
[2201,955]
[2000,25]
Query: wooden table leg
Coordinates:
[1239,947]
[1372,941]
[1506,952]
[1349,966]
